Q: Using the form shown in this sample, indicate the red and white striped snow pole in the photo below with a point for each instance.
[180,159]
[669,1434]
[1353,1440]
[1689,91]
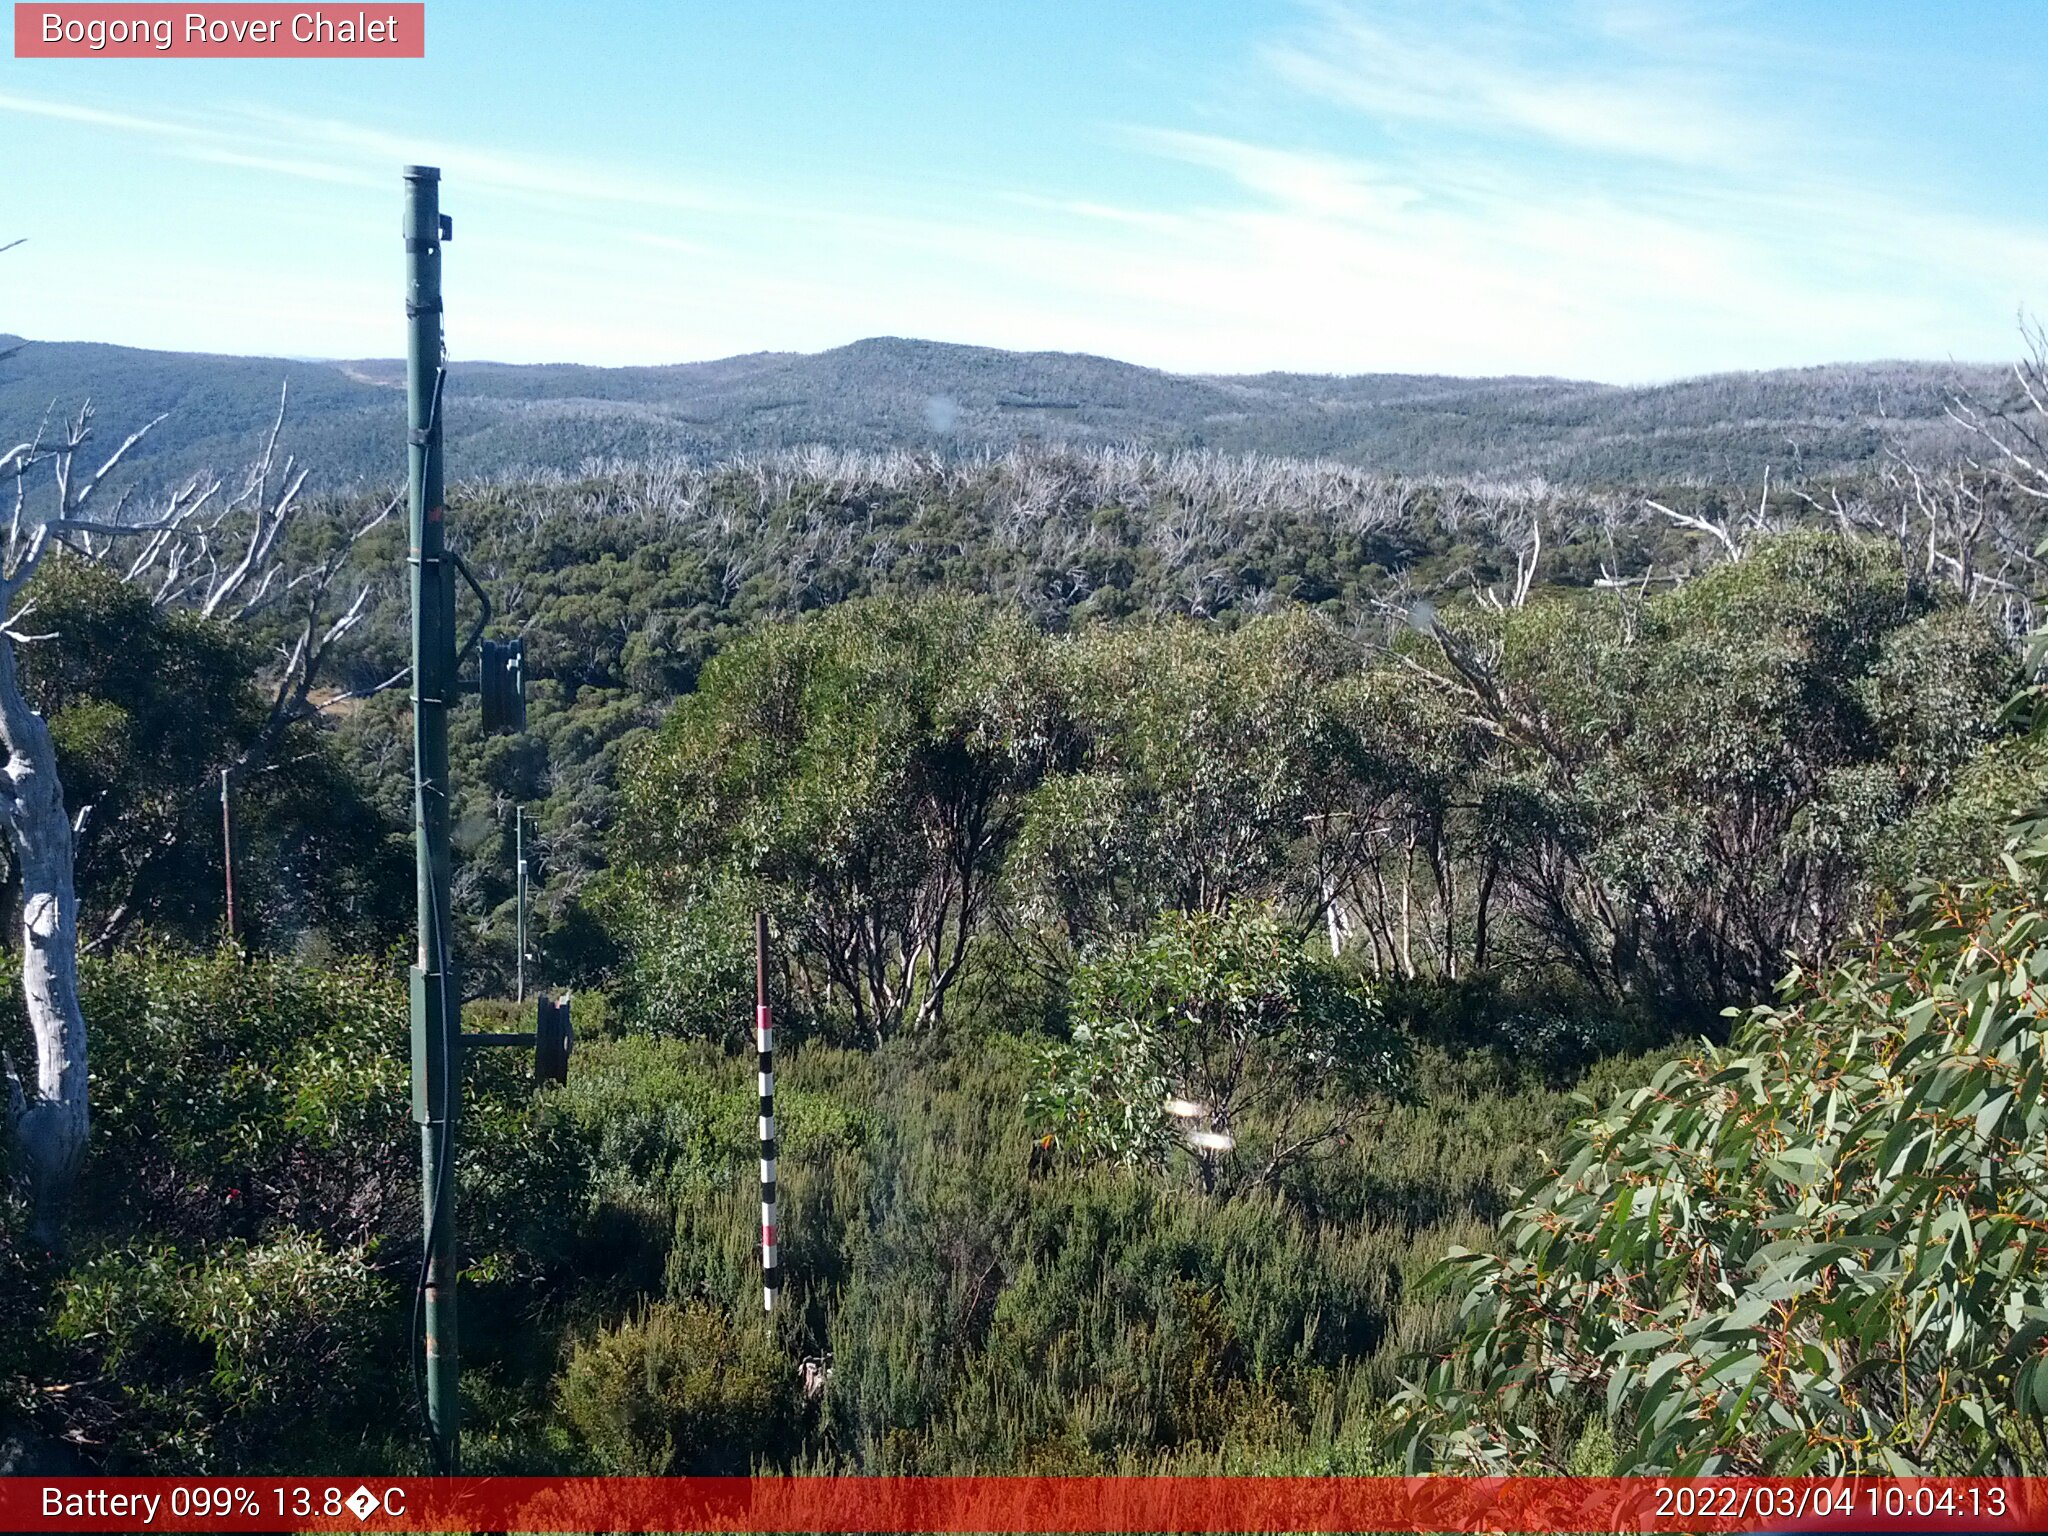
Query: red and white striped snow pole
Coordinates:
[764,1041]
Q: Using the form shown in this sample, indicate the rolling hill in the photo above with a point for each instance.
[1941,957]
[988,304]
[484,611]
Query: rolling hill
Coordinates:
[889,392]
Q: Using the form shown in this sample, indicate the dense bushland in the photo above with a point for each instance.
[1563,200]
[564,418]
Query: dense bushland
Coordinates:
[1657,803]
[1182,943]
[627,580]
[236,1294]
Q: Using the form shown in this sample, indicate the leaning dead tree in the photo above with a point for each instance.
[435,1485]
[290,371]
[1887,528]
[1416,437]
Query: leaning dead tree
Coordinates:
[218,552]
[2014,432]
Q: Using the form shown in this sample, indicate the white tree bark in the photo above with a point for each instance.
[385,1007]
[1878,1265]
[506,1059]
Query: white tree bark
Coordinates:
[49,1119]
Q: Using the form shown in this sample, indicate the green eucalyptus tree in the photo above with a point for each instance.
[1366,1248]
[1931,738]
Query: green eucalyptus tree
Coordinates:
[861,775]
[1214,767]
[1703,778]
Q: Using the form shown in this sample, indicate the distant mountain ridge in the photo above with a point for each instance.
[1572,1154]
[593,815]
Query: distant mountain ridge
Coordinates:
[890,392]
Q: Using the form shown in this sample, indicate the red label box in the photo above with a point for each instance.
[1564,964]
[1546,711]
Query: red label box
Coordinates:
[368,29]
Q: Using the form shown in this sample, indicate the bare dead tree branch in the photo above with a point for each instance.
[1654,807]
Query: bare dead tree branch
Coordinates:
[1700,525]
[221,557]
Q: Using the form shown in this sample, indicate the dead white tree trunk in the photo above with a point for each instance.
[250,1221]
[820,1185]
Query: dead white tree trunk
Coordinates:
[221,558]
[48,1120]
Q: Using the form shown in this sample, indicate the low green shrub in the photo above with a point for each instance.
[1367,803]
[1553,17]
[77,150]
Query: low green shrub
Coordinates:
[232,1095]
[1214,1034]
[962,1300]
[242,1355]
[679,1391]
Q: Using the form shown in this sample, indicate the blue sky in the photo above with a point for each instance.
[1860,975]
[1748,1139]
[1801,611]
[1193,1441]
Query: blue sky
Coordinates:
[1617,189]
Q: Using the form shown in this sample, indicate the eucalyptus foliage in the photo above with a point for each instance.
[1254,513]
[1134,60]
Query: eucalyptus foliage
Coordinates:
[145,706]
[1214,1023]
[1823,1248]
[226,1358]
[1217,766]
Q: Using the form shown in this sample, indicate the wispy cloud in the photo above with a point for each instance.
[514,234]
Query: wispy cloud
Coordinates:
[1312,184]
[321,149]
[1609,189]
[554,178]
[1622,81]
[204,139]
[97,117]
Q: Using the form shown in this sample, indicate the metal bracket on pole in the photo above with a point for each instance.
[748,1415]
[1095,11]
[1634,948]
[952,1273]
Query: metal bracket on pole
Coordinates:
[484,598]
[551,1039]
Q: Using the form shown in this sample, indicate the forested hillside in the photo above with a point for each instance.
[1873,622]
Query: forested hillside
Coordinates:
[891,393]
[1199,883]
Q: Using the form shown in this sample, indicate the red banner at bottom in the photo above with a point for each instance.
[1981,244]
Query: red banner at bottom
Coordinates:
[1001,1504]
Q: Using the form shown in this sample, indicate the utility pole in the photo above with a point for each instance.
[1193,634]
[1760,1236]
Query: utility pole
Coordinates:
[227,851]
[436,1002]
[437,1038]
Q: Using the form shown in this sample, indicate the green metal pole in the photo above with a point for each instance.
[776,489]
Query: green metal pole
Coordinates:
[436,1013]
